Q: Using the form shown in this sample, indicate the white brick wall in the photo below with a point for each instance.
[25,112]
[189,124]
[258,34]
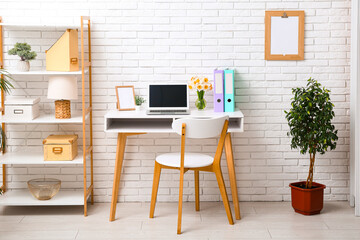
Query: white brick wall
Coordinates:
[137,42]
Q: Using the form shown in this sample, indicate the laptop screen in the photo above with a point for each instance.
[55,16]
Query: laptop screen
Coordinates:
[168,96]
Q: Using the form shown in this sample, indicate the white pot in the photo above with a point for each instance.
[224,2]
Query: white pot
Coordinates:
[23,66]
[137,108]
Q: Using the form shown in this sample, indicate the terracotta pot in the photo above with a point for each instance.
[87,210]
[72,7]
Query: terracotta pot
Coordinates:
[307,201]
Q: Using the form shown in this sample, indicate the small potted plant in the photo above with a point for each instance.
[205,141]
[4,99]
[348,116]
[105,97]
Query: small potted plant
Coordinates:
[311,130]
[138,101]
[201,85]
[23,50]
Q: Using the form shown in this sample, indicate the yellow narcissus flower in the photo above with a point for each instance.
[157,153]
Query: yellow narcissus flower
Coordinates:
[206,87]
[206,80]
[199,87]
[191,87]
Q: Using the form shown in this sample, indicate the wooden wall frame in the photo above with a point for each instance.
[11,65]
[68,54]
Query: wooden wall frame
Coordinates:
[127,107]
[300,45]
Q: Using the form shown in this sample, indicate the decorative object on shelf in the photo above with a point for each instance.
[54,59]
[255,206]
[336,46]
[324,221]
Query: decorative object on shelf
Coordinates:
[64,54]
[63,88]
[201,85]
[125,96]
[138,101]
[17,108]
[44,188]
[5,87]
[60,147]
[311,130]
[23,50]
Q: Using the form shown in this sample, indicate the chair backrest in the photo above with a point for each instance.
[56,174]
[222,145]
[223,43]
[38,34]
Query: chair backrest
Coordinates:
[200,127]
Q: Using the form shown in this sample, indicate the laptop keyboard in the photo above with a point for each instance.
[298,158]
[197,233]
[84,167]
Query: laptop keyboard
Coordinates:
[168,111]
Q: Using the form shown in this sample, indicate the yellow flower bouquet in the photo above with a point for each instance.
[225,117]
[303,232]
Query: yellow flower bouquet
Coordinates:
[201,85]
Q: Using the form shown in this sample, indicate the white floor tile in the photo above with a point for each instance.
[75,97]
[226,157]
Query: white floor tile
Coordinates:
[260,220]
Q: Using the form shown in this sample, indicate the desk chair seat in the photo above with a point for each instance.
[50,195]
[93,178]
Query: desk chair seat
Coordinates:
[191,160]
[194,128]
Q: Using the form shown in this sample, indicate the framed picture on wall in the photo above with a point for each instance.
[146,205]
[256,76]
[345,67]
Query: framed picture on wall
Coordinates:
[125,96]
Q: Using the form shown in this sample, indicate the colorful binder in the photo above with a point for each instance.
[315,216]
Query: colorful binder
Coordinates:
[218,90]
[229,99]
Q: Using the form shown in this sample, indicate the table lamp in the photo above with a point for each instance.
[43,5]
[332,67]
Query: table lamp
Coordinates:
[64,89]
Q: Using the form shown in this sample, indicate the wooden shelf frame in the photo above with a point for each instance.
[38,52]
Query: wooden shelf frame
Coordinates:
[86,115]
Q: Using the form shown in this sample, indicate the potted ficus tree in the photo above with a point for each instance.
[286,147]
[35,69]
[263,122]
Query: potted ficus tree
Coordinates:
[311,130]
[23,50]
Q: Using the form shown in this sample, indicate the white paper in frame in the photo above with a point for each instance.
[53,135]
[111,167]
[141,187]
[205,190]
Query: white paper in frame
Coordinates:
[284,35]
[125,97]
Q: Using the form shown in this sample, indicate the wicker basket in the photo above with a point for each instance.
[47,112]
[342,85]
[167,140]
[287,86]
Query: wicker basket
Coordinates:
[62,109]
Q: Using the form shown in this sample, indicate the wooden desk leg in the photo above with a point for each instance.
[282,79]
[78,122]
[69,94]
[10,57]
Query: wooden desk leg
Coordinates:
[232,175]
[120,150]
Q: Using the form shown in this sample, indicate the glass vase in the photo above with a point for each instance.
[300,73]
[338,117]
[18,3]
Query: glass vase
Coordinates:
[200,102]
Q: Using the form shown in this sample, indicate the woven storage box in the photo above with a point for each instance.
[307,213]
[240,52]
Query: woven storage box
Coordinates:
[60,147]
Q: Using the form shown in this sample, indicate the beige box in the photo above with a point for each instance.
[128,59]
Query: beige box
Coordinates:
[64,54]
[60,147]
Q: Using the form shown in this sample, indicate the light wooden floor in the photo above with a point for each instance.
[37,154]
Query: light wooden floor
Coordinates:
[261,220]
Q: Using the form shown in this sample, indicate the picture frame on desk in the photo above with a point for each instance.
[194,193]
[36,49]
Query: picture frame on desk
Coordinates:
[125,98]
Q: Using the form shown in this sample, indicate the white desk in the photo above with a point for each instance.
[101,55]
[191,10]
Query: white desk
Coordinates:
[127,123]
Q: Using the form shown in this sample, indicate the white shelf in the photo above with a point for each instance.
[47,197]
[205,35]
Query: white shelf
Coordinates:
[140,122]
[76,117]
[24,198]
[30,158]
[39,25]
[43,72]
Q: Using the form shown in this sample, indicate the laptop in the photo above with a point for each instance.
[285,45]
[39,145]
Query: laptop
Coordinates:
[168,99]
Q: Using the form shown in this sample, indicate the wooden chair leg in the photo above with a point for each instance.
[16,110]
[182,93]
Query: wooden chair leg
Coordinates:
[197,195]
[180,200]
[157,172]
[224,196]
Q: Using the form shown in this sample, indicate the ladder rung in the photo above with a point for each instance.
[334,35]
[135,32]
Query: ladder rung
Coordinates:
[89,149]
[88,191]
[89,109]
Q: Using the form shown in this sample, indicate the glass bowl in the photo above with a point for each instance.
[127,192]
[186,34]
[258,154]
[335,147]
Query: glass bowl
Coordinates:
[44,188]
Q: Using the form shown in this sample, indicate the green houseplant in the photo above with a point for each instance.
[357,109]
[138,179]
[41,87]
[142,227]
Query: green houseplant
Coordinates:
[311,130]
[23,50]
[138,101]
[5,85]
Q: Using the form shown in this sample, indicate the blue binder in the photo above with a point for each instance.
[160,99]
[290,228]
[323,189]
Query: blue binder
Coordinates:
[229,90]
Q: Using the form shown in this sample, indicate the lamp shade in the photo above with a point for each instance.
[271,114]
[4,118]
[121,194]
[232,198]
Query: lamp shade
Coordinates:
[62,87]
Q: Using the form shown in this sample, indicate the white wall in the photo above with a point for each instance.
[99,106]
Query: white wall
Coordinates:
[137,42]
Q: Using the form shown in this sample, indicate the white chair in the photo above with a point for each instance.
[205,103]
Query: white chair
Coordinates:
[194,128]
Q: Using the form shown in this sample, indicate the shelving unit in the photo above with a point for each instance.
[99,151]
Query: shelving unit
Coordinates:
[64,197]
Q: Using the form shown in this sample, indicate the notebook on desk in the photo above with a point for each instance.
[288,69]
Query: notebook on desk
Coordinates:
[168,99]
